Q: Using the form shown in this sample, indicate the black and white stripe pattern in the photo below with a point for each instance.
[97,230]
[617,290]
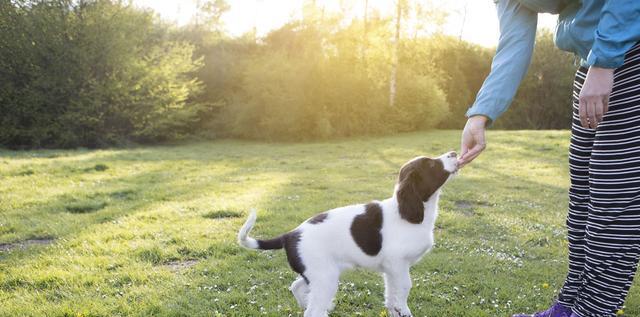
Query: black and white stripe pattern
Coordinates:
[604,199]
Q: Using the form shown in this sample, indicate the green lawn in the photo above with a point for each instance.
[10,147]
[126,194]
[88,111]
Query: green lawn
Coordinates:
[151,231]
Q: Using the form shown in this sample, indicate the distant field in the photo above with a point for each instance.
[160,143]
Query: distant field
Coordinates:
[151,231]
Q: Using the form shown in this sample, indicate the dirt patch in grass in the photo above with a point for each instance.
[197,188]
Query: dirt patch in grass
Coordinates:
[464,204]
[180,265]
[26,173]
[126,194]
[23,244]
[84,207]
[219,214]
[98,168]
[467,207]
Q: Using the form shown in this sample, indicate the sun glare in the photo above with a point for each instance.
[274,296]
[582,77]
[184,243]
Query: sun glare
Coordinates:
[471,20]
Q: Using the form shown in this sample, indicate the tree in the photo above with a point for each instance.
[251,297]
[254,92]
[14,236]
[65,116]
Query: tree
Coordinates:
[428,16]
[211,12]
[393,78]
[92,73]
[99,73]
[365,28]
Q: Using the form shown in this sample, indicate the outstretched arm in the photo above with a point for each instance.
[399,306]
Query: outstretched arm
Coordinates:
[508,68]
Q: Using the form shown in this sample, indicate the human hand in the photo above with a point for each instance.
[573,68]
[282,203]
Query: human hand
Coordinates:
[473,142]
[594,96]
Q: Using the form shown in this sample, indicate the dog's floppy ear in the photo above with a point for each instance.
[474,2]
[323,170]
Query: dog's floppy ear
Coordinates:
[437,177]
[409,198]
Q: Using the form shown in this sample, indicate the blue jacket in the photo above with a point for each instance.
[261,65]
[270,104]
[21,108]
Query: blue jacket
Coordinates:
[600,32]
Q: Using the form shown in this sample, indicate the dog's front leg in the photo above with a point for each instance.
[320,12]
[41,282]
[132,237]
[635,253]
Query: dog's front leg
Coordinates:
[389,293]
[397,287]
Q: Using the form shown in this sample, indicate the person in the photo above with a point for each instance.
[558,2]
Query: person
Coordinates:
[604,156]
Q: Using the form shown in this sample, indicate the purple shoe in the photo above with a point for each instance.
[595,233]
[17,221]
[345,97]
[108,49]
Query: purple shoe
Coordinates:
[556,310]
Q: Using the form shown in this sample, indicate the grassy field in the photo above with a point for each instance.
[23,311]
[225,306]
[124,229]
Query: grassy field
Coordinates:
[151,231]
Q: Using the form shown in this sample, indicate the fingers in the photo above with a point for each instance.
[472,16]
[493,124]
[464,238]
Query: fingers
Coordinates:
[592,111]
[582,112]
[472,142]
[591,114]
[462,160]
[472,154]
[463,148]
[599,112]
[465,143]
[594,96]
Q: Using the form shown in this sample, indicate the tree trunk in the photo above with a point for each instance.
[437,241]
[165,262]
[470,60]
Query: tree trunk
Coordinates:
[394,58]
[365,41]
[464,19]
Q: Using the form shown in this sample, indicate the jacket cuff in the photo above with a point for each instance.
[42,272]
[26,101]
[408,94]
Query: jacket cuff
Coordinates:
[598,61]
[491,114]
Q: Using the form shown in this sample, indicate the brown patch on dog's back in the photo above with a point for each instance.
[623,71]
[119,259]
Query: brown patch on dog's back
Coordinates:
[365,229]
[318,218]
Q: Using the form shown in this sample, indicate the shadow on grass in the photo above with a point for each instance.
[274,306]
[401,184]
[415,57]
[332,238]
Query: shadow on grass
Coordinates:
[254,279]
[82,209]
[321,177]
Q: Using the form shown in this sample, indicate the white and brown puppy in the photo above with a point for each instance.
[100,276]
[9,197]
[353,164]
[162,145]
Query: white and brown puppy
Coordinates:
[387,236]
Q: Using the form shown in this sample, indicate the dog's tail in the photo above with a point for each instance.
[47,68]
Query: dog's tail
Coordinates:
[251,243]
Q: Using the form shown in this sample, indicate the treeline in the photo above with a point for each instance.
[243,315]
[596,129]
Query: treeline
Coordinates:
[93,73]
[99,73]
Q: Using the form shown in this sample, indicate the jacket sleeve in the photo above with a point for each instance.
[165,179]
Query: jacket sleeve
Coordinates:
[509,66]
[618,30]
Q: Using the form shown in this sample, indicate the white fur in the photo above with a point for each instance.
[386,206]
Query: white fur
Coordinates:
[403,244]
[243,234]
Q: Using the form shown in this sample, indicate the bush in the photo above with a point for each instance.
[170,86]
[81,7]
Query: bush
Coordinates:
[91,73]
[544,100]
[458,67]
[96,73]
[421,103]
[294,90]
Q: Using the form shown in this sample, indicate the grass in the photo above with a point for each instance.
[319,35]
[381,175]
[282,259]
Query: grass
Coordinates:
[151,231]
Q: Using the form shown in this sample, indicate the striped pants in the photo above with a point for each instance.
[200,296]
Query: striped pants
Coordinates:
[604,199]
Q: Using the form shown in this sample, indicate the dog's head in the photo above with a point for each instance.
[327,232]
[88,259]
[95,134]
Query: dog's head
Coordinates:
[419,179]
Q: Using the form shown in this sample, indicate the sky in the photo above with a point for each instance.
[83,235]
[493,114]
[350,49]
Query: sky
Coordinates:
[480,25]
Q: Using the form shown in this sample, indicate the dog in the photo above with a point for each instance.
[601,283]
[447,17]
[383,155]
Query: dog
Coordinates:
[388,236]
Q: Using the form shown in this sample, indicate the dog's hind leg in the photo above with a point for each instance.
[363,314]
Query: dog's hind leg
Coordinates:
[322,289]
[397,284]
[300,290]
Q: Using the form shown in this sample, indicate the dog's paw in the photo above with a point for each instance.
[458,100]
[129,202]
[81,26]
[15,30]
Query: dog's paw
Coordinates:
[399,312]
[300,291]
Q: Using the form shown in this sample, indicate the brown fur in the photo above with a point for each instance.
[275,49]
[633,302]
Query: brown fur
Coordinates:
[417,181]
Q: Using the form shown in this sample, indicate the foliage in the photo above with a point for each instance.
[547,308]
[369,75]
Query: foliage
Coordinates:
[544,98]
[224,61]
[462,68]
[164,242]
[307,83]
[91,73]
[96,73]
